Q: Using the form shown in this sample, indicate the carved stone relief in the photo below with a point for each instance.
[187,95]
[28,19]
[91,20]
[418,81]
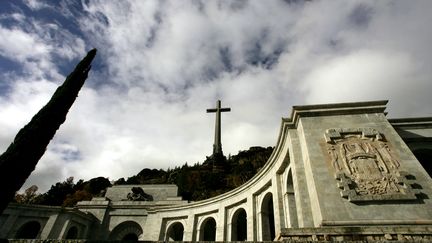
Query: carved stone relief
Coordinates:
[138,194]
[366,167]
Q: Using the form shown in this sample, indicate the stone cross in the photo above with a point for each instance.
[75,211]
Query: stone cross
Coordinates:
[217,146]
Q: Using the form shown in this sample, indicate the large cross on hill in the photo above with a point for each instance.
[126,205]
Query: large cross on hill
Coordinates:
[217,146]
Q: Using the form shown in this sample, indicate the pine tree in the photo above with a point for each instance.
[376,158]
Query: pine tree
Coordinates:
[30,143]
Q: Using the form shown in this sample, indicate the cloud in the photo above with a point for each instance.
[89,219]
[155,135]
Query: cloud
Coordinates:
[36,4]
[19,45]
[383,57]
[365,75]
[161,64]
[180,45]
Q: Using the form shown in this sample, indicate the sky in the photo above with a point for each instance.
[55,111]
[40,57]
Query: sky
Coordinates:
[161,64]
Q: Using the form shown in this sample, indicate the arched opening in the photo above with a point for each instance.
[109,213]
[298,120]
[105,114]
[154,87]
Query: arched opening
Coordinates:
[424,156]
[290,199]
[29,230]
[126,231]
[130,237]
[72,233]
[267,218]
[175,232]
[239,226]
[208,230]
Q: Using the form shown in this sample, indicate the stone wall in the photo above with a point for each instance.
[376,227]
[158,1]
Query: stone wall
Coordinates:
[359,233]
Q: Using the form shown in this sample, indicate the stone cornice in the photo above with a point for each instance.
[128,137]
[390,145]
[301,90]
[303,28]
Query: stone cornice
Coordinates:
[351,108]
[52,209]
[411,122]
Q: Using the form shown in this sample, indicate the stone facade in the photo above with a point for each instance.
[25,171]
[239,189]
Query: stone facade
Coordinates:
[44,222]
[338,172]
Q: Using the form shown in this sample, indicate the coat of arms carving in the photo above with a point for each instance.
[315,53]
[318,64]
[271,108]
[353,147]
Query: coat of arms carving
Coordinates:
[365,165]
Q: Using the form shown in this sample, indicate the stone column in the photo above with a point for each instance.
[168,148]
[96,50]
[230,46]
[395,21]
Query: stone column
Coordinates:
[259,226]
[300,189]
[221,225]
[277,204]
[189,228]
[63,232]
[99,207]
[7,227]
[49,225]
[250,219]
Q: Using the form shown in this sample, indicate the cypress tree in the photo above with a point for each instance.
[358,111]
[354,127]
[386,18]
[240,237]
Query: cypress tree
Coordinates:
[30,143]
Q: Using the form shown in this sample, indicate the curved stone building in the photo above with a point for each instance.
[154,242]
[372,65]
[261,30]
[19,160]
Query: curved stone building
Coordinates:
[338,172]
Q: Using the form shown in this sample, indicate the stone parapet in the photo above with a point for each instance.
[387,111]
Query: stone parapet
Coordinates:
[159,192]
[358,234]
[367,107]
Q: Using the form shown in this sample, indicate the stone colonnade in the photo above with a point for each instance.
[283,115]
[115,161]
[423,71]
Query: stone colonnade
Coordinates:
[44,222]
[256,211]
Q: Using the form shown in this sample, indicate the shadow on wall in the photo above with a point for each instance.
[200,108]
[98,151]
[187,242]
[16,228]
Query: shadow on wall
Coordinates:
[424,156]
[29,230]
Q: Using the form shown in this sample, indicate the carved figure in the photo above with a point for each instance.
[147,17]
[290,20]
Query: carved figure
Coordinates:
[334,156]
[138,194]
[386,155]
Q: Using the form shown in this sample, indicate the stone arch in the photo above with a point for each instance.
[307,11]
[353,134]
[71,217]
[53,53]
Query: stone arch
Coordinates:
[208,230]
[239,225]
[72,233]
[267,218]
[175,232]
[29,230]
[424,156]
[291,201]
[128,230]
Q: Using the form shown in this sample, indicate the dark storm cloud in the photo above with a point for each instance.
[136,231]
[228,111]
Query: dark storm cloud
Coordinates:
[361,15]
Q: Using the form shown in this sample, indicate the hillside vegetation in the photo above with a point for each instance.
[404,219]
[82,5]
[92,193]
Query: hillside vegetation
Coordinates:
[195,182]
